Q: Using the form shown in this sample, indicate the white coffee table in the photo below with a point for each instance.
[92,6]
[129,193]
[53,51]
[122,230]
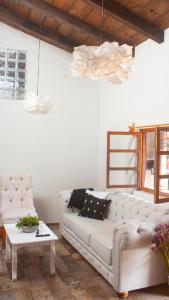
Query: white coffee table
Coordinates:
[16,239]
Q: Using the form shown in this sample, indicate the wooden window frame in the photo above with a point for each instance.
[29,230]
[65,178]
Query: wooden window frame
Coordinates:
[124,168]
[157,176]
[140,152]
[142,159]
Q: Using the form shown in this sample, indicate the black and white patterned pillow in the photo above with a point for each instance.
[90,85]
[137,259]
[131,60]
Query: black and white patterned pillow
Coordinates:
[94,208]
[77,198]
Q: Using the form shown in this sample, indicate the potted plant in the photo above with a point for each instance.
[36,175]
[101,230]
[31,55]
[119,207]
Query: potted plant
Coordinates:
[28,223]
[161,244]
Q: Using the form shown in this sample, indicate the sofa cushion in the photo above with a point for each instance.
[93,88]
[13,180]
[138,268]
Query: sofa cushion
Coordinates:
[77,198]
[84,227]
[70,220]
[94,208]
[102,243]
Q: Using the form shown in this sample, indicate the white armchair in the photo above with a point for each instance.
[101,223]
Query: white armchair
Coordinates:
[16,198]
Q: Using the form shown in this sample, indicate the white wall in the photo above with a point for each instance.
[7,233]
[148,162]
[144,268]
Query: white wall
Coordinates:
[58,149]
[61,149]
[143,99]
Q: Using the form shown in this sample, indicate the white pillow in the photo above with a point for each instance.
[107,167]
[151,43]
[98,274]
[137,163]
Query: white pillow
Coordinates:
[98,194]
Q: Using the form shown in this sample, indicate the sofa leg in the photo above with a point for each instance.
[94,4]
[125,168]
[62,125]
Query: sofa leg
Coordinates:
[123,295]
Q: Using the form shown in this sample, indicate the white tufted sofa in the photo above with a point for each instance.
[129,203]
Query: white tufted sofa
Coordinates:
[119,247]
[16,197]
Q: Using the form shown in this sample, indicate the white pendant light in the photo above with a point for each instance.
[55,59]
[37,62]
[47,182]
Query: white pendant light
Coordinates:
[109,61]
[35,103]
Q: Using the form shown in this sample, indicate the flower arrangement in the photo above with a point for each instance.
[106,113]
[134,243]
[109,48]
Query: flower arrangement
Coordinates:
[161,243]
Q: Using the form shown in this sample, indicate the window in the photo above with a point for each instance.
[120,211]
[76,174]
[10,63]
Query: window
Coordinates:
[154,162]
[122,159]
[139,159]
[12,74]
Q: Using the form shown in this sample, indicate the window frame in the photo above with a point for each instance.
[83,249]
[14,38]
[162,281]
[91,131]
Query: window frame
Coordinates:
[143,158]
[157,176]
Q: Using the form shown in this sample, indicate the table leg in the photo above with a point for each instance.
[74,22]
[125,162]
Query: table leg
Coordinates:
[52,257]
[14,263]
[8,249]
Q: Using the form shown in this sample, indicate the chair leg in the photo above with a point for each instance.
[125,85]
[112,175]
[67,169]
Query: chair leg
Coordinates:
[3,235]
[123,295]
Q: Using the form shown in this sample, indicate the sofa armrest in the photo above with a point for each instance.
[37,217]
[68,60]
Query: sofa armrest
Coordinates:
[65,195]
[133,234]
[63,200]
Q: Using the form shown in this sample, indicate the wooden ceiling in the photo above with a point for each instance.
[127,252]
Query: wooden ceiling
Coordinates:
[69,23]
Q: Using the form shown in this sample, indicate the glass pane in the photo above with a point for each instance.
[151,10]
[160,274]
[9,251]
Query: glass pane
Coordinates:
[2,73]
[123,177]
[9,94]
[10,85]
[21,55]
[123,160]
[11,64]
[123,142]
[11,54]
[2,84]
[1,93]
[21,75]
[164,164]
[11,75]
[21,65]
[2,53]
[164,185]
[19,85]
[149,159]
[2,63]
[20,94]
[149,180]
[164,140]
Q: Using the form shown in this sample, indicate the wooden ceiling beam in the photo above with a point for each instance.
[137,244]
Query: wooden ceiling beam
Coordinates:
[12,19]
[61,16]
[126,17]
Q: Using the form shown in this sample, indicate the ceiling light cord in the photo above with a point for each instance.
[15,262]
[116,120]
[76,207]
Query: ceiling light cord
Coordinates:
[102,21]
[133,51]
[38,72]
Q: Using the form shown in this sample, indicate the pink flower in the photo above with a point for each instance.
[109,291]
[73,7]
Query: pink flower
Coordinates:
[161,243]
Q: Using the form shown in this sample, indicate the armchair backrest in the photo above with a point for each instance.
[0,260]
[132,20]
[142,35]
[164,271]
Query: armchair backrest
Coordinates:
[16,191]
